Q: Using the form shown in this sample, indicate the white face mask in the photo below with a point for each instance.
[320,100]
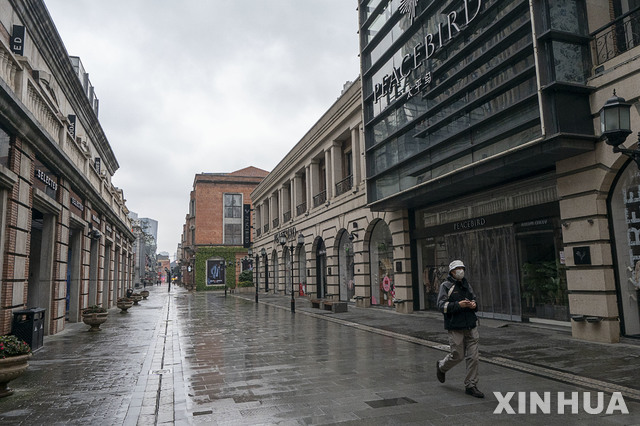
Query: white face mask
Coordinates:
[458,274]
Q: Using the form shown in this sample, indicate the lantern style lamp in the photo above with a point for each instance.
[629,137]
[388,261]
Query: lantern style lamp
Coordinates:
[615,124]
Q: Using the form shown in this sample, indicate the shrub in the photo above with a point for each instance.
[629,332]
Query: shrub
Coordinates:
[94,309]
[12,346]
[246,276]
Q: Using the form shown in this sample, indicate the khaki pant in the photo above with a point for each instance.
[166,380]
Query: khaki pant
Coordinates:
[464,345]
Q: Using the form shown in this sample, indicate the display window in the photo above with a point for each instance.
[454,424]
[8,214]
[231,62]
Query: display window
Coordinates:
[624,205]
[381,256]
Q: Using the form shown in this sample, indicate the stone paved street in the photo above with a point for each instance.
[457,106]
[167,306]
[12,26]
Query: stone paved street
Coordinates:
[184,358]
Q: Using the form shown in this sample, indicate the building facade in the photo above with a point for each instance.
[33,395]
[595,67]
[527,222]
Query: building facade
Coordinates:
[144,249]
[481,127]
[65,239]
[216,233]
[314,201]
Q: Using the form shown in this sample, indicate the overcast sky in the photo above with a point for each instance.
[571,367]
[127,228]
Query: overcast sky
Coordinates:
[213,86]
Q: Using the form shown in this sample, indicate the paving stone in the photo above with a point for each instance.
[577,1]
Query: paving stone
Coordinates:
[185,358]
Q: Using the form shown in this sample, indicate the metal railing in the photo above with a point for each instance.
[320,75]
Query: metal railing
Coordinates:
[320,198]
[344,185]
[286,217]
[301,208]
[266,228]
[618,36]
[276,222]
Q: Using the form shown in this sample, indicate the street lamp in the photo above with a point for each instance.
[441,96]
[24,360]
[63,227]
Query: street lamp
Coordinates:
[615,124]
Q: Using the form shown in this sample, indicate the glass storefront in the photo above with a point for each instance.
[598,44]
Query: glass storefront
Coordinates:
[381,252]
[346,267]
[625,219]
[516,269]
[302,270]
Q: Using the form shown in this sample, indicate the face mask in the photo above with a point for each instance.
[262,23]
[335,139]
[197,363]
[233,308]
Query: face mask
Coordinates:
[458,274]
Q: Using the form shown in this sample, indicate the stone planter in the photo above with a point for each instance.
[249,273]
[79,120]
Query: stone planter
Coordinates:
[11,368]
[144,294]
[136,298]
[124,305]
[94,320]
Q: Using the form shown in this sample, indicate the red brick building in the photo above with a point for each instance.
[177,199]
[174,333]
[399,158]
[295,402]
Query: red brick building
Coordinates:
[213,231]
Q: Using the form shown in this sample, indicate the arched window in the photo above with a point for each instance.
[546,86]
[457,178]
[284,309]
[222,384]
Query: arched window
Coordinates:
[624,204]
[381,266]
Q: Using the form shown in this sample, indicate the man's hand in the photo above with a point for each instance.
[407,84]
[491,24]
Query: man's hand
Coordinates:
[466,303]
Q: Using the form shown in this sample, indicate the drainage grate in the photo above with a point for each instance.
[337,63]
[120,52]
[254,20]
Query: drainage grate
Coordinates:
[390,402]
[202,413]
[160,372]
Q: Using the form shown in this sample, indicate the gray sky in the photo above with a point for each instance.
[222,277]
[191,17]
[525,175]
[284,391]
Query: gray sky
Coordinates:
[196,86]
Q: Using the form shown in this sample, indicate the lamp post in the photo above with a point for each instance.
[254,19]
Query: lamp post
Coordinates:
[615,123]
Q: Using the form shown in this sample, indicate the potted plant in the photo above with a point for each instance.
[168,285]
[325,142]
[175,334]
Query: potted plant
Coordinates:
[94,316]
[14,354]
[124,303]
[136,298]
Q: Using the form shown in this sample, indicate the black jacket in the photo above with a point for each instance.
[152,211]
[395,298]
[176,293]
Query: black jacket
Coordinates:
[456,317]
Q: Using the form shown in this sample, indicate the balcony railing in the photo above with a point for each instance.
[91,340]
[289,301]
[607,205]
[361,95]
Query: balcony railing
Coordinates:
[301,208]
[320,198]
[266,228]
[618,36]
[286,217]
[344,185]
[258,232]
[276,222]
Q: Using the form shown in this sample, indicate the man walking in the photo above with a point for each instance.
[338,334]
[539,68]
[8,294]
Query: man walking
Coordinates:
[457,302]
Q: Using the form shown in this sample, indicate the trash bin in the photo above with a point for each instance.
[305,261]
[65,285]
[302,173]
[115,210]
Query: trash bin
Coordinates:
[28,325]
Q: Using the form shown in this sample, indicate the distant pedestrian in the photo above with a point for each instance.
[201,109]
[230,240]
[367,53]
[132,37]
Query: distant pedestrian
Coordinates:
[457,302]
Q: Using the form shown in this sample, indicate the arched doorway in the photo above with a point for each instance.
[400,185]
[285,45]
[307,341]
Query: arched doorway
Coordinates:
[381,265]
[321,269]
[266,273]
[302,270]
[624,213]
[274,268]
[346,266]
[288,268]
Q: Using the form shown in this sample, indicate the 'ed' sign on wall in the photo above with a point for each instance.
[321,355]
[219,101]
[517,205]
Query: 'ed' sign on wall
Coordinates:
[17,40]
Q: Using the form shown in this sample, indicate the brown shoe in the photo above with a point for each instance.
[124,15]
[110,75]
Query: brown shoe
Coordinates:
[473,391]
[439,373]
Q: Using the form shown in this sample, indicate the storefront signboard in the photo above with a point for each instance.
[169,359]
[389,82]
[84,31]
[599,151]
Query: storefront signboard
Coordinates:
[393,82]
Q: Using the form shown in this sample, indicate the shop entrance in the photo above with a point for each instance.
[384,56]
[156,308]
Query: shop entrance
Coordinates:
[543,281]
[274,267]
[41,263]
[624,205]
[106,276]
[492,268]
[346,267]
[321,270]
[73,274]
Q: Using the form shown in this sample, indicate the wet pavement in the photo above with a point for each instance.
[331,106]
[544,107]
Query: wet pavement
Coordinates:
[203,358]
